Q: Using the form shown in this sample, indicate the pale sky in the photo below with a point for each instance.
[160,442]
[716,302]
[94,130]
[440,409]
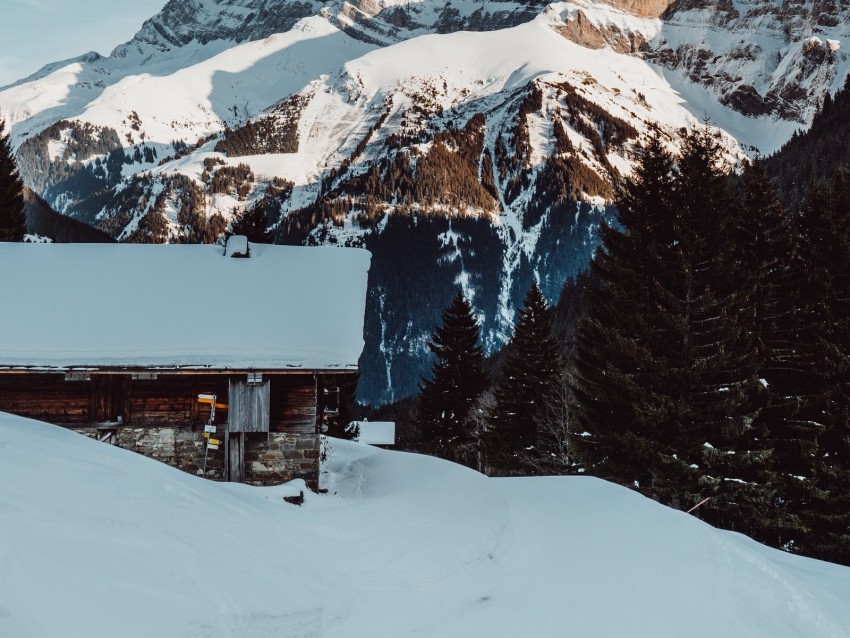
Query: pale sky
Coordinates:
[36,32]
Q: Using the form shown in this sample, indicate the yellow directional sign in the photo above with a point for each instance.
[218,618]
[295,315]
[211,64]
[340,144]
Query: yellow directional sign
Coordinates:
[208,400]
[206,435]
[215,442]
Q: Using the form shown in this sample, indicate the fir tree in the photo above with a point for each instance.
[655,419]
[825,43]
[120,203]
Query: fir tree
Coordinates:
[714,356]
[665,378]
[531,382]
[829,516]
[458,379]
[759,240]
[706,360]
[764,244]
[251,222]
[817,436]
[617,411]
[750,239]
[12,219]
[765,249]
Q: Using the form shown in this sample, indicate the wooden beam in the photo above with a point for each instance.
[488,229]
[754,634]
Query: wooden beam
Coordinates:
[235,449]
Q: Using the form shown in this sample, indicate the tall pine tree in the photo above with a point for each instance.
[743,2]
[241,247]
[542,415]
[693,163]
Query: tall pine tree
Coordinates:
[458,379]
[765,247]
[816,456]
[665,381]
[728,272]
[618,410]
[530,384]
[12,219]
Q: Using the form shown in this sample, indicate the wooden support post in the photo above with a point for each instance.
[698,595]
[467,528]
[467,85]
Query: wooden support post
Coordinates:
[236,456]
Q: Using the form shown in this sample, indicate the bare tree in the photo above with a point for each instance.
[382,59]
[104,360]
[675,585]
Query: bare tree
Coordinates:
[552,452]
[479,418]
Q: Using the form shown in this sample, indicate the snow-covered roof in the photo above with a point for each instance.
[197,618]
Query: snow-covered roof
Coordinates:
[70,306]
[237,246]
[376,432]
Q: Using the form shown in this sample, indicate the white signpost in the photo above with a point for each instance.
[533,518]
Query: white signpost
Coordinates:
[209,428]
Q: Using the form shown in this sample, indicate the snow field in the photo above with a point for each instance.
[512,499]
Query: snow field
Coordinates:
[97,541]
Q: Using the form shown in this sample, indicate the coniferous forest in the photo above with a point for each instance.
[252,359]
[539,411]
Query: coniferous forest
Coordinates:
[703,358]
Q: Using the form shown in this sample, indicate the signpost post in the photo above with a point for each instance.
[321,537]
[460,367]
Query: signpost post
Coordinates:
[209,428]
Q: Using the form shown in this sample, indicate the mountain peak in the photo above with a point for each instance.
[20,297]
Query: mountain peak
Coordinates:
[183,21]
[86,58]
[380,21]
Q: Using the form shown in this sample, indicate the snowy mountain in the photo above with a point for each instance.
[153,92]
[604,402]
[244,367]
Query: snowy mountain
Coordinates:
[401,545]
[464,143]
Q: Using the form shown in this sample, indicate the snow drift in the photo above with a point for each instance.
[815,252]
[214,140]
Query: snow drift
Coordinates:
[97,541]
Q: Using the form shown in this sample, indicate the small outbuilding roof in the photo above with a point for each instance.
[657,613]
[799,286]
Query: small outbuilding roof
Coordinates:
[96,306]
[376,432]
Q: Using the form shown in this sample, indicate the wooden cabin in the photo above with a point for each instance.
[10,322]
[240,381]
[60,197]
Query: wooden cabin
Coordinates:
[221,362]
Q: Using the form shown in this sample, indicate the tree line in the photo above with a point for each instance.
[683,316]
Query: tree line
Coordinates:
[709,358]
[12,220]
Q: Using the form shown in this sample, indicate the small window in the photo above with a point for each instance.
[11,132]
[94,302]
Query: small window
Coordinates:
[255,378]
[77,376]
[144,376]
[331,400]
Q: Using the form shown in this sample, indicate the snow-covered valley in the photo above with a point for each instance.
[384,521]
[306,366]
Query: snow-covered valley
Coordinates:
[97,541]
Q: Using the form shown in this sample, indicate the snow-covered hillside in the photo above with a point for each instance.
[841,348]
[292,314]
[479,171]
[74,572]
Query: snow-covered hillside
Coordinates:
[200,67]
[98,541]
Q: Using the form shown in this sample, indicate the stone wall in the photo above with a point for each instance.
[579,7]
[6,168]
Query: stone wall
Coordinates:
[277,457]
[180,447]
[270,459]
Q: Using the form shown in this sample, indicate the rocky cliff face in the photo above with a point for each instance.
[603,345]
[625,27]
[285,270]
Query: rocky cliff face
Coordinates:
[761,58]
[182,21]
[381,21]
[642,8]
[784,72]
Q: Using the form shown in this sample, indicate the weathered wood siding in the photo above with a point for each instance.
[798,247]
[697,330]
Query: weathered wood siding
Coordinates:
[249,406]
[107,396]
[293,403]
[169,399]
[166,400]
[173,399]
[46,397]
